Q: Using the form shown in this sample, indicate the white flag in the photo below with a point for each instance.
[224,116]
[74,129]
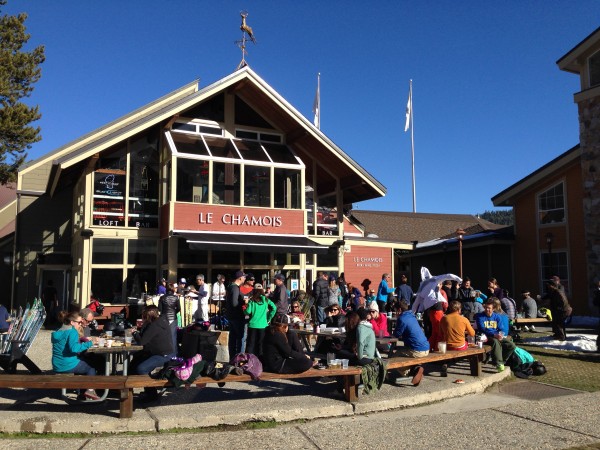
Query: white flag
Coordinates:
[317,105]
[408,110]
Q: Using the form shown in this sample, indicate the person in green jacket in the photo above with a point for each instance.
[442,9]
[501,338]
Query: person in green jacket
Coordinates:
[261,310]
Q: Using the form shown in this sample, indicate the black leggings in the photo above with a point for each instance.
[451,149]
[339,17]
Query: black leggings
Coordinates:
[296,365]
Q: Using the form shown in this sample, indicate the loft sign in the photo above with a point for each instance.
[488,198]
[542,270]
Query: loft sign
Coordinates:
[241,219]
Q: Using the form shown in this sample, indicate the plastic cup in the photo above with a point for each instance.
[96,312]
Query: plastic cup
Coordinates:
[109,343]
[442,347]
[345,363]
[128,340]
[108,334]
[101,342]
[480,344]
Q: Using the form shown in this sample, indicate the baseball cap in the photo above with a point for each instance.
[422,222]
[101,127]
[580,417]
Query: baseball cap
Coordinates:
[249,276]
[281,319]
[258,286]
[374,307]
[279,276]
[183,280]
[239,274]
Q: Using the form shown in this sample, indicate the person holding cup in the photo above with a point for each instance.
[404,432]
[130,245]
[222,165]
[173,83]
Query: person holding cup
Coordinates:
[379,321]
[495,328]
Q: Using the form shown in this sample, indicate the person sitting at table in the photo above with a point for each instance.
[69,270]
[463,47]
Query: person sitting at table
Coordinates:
[378,321]
[66,345]
[415,342]
[85,331]
[4,319]
[495,328]
[297,315]
[156,337]
[334,319]
[454,326]
[366,345]
[282,351]
[261,310]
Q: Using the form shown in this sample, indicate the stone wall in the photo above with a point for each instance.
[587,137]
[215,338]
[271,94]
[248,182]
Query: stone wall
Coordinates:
[589,135]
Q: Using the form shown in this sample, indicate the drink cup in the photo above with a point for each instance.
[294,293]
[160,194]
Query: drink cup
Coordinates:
[330,357]
[480,344]
[389,315]
[108,334]
[345,363]
[101,342]
[442,347]
[109,343]
[128,340]
[301,325]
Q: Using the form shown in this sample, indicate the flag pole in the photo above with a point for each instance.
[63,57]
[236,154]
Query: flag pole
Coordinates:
[412,147]
[317,103]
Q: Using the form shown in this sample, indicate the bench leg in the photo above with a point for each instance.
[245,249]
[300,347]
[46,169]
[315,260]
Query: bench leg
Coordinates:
[126,404]
[475,362]
[351,388]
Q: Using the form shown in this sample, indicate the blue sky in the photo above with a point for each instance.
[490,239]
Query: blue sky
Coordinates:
[490,105]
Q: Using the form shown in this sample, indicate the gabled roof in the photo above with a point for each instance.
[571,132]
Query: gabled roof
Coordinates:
[306,140]
[421,227]
[572,60]
[8,209]
[506,197]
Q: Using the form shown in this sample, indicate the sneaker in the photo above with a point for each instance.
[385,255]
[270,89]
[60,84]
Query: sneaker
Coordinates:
[417,377]
[525,328]
[532,329]
[500,367]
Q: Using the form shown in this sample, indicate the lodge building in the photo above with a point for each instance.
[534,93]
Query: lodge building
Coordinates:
[202,180]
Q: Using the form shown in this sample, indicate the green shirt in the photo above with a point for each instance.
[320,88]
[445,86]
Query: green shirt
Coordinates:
[261,312]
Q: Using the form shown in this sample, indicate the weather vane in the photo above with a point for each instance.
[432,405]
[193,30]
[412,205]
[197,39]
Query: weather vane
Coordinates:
[247,34]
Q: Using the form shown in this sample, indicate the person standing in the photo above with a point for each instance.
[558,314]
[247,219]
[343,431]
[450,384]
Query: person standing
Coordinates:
[218,293]
[201,314]
[560,308]
[383,291]
[247,290]
[234,303]
[161,287]
[168,305]
[404,291]
[279,296]
[260,310]
[321,295]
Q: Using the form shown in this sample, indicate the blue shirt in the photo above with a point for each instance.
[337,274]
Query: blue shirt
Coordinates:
[404,292]
[493,324]
[3,317]
[383,291]
[411,333]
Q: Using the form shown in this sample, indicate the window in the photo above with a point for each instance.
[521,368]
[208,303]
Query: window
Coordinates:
[143,182]
[555,263]
[142,251]
[226,183]
[594,69]
[107,251]
[287,188]
[192,180]
[551,205]
[257,186]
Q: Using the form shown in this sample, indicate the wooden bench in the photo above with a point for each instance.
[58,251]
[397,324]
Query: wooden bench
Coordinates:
[474,355]
[126,384]
[521,321]
[70,381]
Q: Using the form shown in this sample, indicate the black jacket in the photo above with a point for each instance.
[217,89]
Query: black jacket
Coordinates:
[168,305]
[278,347]
[321,292]
[233,303]
[156,337]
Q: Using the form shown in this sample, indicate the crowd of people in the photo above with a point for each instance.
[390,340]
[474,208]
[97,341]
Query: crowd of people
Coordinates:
[444,309]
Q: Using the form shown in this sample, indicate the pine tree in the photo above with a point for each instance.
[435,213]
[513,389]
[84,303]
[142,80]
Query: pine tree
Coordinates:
[19,70]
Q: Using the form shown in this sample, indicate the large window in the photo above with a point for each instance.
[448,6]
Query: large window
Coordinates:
[594,69]
[206,162]
[551,205]
[126,184]
[555,263]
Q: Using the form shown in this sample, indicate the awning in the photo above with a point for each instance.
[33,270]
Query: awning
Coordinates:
[253,242]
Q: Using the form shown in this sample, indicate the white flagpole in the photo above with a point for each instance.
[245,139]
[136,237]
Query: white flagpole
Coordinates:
[410,121]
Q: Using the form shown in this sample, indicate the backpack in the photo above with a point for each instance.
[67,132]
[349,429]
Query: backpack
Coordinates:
[249,363]
[521,363]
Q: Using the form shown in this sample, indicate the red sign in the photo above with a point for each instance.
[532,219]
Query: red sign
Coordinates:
[197,217]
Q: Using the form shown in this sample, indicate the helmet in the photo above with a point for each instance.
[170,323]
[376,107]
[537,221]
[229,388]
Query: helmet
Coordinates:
[538,368]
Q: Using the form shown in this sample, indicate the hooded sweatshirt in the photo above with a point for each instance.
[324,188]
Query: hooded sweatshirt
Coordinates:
[65,347]
[365,340]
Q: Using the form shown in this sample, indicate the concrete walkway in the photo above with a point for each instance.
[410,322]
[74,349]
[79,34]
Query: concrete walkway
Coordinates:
[504,417]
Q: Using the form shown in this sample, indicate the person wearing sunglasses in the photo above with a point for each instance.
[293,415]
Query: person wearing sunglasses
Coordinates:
[66,345]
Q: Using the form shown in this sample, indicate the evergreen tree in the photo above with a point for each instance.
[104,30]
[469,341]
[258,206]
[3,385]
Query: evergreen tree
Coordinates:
[501,217]
[19,70]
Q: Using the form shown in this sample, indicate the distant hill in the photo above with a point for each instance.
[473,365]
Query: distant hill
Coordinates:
[503,217]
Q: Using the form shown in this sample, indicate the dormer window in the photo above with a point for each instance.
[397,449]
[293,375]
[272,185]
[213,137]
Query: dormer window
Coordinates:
[594,69]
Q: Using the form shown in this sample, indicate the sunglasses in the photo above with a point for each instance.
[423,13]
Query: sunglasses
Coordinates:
[77,321]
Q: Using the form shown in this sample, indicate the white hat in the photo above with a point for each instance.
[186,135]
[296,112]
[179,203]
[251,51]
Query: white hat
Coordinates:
[374,307]
[183,281]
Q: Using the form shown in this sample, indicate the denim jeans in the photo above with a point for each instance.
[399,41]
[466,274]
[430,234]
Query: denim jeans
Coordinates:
[148,365]
[82,368]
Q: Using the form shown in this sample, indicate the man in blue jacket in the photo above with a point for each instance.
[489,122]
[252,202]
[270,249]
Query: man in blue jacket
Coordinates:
[495,329]
[416,344]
